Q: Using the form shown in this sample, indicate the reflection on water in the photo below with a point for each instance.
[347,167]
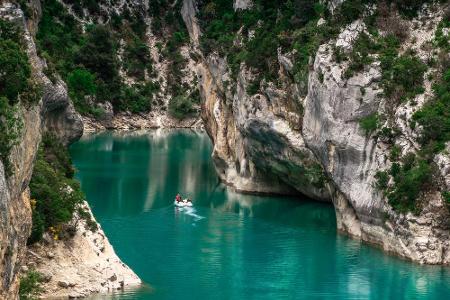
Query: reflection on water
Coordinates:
[228,246]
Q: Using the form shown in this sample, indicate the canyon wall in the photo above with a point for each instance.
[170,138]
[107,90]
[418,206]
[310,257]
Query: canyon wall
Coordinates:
[54,113]
[279,140]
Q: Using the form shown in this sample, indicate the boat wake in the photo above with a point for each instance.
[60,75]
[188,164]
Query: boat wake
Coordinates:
[190,211]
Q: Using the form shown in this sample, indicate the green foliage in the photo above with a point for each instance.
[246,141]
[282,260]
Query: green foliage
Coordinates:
[30,285]
[59,36]
[360,54]
[402,76]
[91,5]
[315,175]
[442,39]
[55,192]
[434,117]
[81,83]
[166,15]
[446,196]
[9,31]
[10,129]
[33,93]
[370,123]
[395,153]
[88,61]
[409,180]
[409,8]
[136,100]
[15,85]
[382,178]
[14,65]
[410,177]
[269,26]
[404,79]
[98,53]
[137,59]
[181,107]
[25,7]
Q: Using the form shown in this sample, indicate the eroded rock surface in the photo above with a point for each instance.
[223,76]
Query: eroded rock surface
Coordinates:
[53,113]
[81,265]
[278,141]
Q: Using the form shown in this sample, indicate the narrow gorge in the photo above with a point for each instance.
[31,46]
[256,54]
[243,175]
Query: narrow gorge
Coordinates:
[343,101]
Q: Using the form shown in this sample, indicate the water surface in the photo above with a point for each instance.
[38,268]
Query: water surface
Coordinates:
[229,246]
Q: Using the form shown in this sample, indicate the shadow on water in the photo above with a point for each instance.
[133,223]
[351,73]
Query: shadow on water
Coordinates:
[229,245]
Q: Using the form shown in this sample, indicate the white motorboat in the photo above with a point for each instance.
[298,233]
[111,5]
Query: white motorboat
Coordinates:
[183,203]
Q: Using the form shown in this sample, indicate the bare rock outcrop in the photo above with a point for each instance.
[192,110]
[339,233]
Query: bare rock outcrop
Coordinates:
[54,113]
[351,159]
[80,265]
[278,141]
[258,146]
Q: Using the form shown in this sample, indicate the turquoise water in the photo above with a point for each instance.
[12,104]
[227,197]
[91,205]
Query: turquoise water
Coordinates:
[229,246]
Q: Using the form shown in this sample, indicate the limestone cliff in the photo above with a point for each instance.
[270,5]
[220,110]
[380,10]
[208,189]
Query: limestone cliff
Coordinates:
[282,140]
[54,113]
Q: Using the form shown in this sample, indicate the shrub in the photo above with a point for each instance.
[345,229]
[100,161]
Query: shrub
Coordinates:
[369,124]
[98,54]
[360,55]
[15,70]
[10,129]
[136,58]
[135,101]
[33,93]
[56,193]
[181,107]
[410,177]
[59,35]
[434,117]
[446,197]
[382,178]
[407,74]
[409,180]
[441,39]
[81,83]
[30,285]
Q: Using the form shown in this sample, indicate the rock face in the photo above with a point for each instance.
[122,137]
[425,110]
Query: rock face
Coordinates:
[278,141]
[351,159]
[60,116]
[81,265]
[53,113]
[188,12]
[254,142]
[242,4]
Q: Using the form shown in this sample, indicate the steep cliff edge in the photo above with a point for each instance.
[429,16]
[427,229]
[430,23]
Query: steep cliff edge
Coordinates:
[50,111]
[280,135]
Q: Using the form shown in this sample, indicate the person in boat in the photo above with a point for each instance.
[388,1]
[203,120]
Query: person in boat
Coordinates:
[178,198]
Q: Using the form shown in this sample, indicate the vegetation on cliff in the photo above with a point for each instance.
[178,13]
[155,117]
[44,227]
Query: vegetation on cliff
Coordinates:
[16,87]
[255,35]
[30,285]
[88,57]
[55,193]
[109,47]
[413,174]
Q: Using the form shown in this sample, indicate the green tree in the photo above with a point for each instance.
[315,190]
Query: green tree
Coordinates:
[30,285]
[369,124]
[52,186]
[81,83]
[181,107]
[10,128]
[15,70]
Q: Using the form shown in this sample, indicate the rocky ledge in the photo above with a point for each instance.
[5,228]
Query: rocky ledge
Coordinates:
[79,266]
[128,121]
